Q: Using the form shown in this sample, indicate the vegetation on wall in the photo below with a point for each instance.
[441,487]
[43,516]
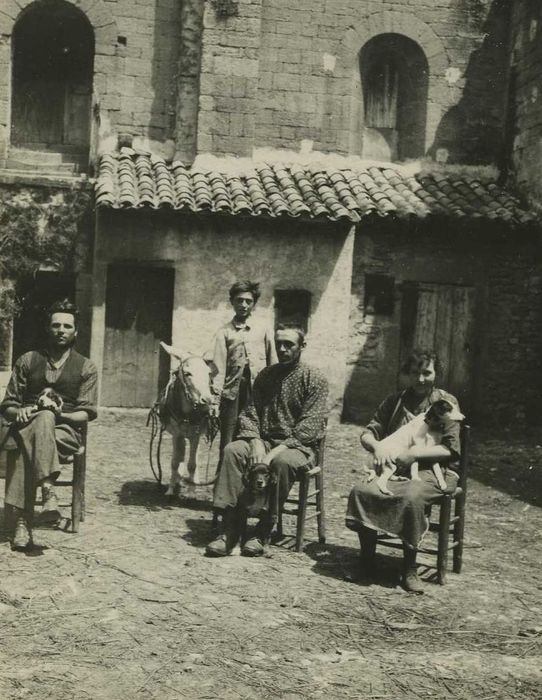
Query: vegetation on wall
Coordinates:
[38,227]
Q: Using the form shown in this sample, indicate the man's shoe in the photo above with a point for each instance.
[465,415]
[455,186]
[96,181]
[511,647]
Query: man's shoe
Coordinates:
[218,547]
[253,548]
[411,582]
[22,537]
[50,512]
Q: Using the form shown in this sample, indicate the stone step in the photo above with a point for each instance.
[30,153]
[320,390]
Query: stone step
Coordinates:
[44,167]
[50,154]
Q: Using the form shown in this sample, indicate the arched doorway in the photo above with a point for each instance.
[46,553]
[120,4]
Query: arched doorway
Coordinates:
[53,62]
[394,78]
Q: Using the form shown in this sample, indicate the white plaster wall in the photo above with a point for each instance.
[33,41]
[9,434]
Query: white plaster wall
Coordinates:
[208,256]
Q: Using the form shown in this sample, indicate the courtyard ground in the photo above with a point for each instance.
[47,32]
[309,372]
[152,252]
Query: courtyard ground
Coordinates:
[130,607]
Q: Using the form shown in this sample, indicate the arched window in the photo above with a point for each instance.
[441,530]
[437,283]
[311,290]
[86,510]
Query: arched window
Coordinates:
[53,62]
[394,74]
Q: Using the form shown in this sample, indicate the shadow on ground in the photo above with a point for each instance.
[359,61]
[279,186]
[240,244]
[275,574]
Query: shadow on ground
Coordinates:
[513,467]
[150,495]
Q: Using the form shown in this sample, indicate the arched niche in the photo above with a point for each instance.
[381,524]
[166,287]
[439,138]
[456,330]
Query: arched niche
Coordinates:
[394,76]
[52,78]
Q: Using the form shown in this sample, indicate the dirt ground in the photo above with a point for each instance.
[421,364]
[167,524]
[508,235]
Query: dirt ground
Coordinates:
[130,607]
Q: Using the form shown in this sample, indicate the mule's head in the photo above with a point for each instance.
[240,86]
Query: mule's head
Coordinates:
[196,376]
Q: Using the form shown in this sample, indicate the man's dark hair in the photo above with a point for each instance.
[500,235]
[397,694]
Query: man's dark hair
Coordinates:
[292,327]
[63,306]
[420,356]
[245,286]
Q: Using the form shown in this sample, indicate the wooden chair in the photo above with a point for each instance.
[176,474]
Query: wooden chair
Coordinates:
[77,482]
[297,505]
[448,527]
[79,469]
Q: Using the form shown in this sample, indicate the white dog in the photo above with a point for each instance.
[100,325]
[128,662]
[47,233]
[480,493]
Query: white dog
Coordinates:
[425,430]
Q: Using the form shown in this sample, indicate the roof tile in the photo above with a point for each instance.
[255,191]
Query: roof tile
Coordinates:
[132,180]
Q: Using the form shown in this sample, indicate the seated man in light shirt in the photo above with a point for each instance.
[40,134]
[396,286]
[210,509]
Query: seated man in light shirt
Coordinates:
[242,348]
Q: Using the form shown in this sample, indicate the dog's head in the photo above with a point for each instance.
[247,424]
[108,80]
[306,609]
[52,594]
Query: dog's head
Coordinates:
[258,477]
[48,398]
[442,411]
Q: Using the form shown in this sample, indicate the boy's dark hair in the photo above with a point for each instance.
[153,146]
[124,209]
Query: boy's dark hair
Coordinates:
[63,306]
[245,286]
[418,357]
[292,327]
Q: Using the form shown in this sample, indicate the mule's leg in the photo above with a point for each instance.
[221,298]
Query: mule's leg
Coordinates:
[192,464]
[176,461]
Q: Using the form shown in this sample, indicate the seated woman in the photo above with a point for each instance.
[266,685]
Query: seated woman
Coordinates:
[403,513]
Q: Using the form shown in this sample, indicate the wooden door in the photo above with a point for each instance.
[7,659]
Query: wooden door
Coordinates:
[77,107]
[139,305]
[441,317]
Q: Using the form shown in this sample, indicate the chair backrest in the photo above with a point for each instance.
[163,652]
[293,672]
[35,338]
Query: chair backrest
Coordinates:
[464,437]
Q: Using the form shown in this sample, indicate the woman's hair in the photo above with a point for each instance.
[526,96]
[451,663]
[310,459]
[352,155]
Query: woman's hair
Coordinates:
[418,357]
[245,286]
[63,306]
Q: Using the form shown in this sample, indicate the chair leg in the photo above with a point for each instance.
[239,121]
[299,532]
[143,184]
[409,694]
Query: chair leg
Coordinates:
[321,517]
[301,511]
[280,532]
[443,538]
[78,491]
[459,533]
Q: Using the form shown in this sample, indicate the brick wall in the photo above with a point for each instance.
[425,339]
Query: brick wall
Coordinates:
[277,74]
[229,80]
[308,83]
[526,102]
[135,66]
[503,266]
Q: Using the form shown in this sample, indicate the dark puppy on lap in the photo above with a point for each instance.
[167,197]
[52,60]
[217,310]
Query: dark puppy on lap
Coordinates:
[255,499]
[49,400]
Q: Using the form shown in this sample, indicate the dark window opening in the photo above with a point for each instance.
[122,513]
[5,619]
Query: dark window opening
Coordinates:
[292,307]
[379,295]
[394,76]
[53,63]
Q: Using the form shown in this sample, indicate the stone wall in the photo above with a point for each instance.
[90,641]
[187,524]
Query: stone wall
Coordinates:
[309,86]
[503,266]
[278,75]
[526,98]
[135,67]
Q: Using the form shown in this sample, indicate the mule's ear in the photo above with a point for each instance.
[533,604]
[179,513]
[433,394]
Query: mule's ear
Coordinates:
[174,352]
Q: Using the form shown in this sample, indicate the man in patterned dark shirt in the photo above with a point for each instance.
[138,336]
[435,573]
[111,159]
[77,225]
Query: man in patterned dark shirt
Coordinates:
[36,436]
[281,427]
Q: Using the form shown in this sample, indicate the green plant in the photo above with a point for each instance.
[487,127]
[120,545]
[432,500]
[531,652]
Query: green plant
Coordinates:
[37,226]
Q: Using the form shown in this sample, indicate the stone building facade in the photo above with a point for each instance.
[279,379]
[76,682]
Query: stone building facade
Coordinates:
[349,83]
[525,99]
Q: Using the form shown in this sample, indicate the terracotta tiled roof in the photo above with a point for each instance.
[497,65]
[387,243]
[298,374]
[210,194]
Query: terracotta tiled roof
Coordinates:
[131,180]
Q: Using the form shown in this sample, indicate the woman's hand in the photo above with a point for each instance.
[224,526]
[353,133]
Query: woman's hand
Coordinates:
[381,458]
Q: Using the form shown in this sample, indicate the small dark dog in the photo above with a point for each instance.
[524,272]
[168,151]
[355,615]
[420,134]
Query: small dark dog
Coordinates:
[49,400]
[254,501]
